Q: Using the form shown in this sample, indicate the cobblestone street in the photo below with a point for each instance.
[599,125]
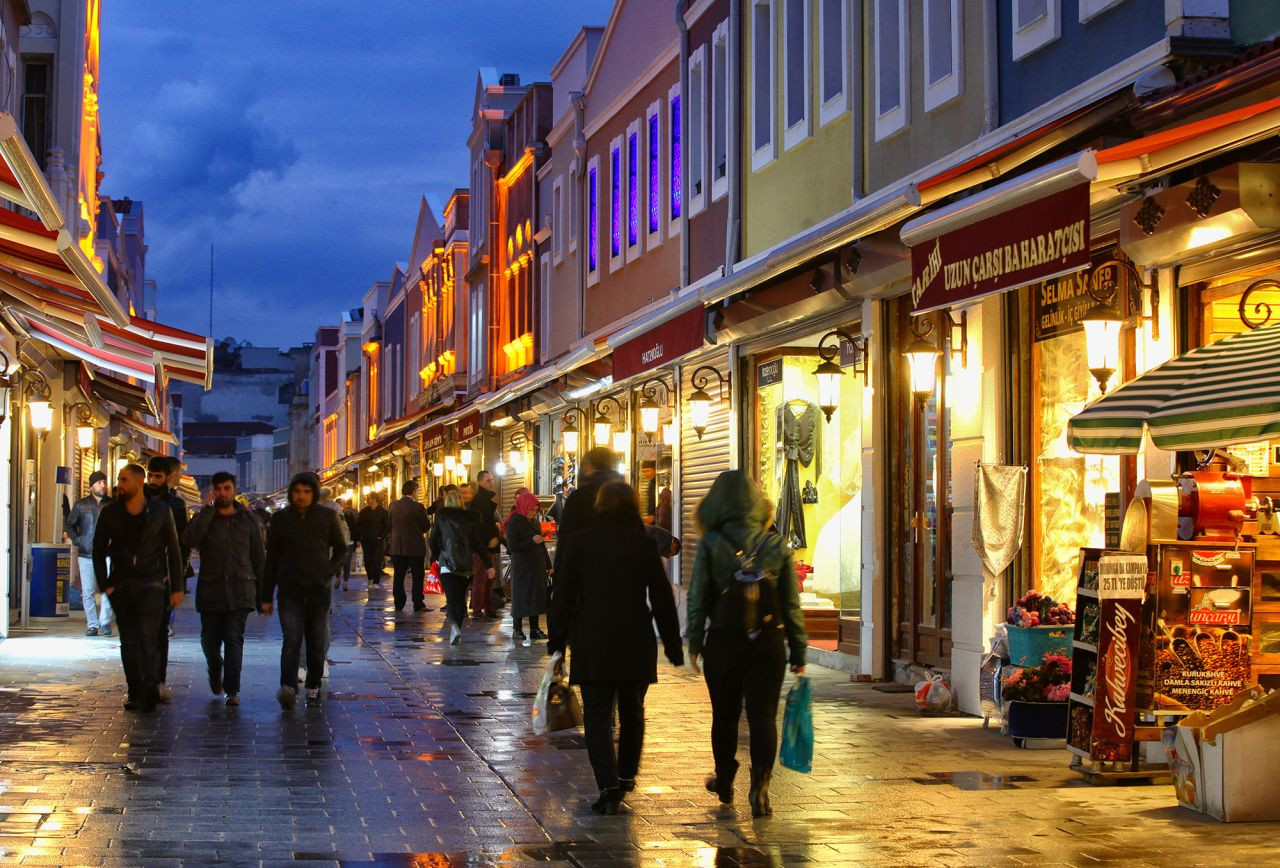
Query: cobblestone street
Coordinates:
[422,754]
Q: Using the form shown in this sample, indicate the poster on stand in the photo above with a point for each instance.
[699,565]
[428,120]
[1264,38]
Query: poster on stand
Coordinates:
[1122,583]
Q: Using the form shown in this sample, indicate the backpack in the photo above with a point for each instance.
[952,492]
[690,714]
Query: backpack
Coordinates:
[455,556]
[749,602]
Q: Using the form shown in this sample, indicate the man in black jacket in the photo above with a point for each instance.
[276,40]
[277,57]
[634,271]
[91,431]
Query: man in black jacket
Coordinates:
[484,503]
[163,473]
[305,548]
[408,546]
[81,523]
[232,558]
[598,466]
[145,580]
[373,524]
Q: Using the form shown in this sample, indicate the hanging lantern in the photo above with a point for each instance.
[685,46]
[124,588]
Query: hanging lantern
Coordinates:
[517,458]
[601,429]
[41,416]
[922,362]
[437,469]
[669,433]
[450,462]
[465,457]
[499,469]
[828,374]
[649,413]
[570,435]
[620,441]
[84,436]
[1102,342]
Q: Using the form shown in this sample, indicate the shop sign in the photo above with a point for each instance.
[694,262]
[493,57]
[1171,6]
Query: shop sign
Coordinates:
[1037,241]
[1060,304]
[433,439]
[769,374]
[1122,582]
[656,347]
[468,426]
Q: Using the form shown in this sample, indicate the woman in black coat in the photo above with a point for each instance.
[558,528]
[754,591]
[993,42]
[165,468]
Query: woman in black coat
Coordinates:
[609,576]
[529,565]
[455,541]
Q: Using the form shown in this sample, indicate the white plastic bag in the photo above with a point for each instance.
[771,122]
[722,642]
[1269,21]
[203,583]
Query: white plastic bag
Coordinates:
[552,674]
[933,695]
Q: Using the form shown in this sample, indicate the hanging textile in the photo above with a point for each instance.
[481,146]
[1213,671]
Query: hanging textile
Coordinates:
[798,436]
[999,496]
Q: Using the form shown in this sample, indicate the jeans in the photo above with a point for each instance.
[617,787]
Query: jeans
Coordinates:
[89,591]
[222,633]
[372,549]
[481,589]
[414,566]
[140,615]
[598,702]
[304,615]
[741,670]
[455,587]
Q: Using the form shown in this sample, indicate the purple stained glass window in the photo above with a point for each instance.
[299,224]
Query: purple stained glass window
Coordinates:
[655,169]
[593,222]
[615,202]
[677,193]
[633,189]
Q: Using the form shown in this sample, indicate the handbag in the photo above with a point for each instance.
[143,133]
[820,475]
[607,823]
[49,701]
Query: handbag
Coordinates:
[555,706]
[797,728]
[431,582]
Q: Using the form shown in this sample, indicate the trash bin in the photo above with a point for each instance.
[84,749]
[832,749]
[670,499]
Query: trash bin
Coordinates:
[50,580]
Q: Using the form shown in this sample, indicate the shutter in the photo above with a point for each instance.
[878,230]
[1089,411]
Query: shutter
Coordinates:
[701,461]
[512,481]
[87,461]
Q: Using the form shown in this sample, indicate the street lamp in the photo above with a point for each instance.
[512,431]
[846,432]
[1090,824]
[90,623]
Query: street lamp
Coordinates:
[829,371]
[922,359]
[700,401]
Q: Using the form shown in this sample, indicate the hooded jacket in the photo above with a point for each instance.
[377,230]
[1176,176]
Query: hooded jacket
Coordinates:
[734,518]
[305,550]
[232,558]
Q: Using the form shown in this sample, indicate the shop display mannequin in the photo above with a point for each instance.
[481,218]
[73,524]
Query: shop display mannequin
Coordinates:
[798,437]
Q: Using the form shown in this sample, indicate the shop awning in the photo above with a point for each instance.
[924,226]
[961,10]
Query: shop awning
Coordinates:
[1225,393]
[126,395]
[161,434]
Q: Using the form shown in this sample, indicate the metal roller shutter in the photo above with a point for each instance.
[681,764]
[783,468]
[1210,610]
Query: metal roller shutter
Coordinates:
[511,481]
[87,462]
[701,460]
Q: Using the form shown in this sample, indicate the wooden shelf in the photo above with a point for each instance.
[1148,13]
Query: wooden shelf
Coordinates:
[1081,645]
[1083,700]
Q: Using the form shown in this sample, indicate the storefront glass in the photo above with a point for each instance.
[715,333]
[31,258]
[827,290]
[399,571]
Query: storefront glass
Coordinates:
[650,455]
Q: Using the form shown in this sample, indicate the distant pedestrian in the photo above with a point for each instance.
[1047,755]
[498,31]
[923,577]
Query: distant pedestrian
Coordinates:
[530,564]
[742,628]
[610,591]
[349,518]
[80,525]
[137,536]
[562,494]
[598,467]
[455,540]
[232,559]
[408,548]
[372,526]
[163,475]
[485,505]
[305,548]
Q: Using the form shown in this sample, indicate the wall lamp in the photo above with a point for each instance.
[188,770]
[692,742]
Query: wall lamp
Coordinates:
[571,433]
[33,384]
[922,359]
[84,419]
[1103,322]
[700,400]
[650,409]
[602,427]
[829,371]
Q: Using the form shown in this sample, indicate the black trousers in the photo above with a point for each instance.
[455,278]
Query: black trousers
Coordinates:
[372,550]
[740,670]
[599,701]
[304,615]
[346,561]
[222,639]
[414,566]
[141,617]
[455,587]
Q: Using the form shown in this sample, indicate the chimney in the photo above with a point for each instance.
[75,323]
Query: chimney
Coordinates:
[509,79]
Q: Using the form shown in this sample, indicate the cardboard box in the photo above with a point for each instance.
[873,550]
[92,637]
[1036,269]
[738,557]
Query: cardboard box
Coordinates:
[1225,763]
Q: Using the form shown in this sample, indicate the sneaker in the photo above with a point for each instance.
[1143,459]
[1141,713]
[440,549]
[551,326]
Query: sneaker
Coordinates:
[92,631]
[163,693]
[455,635]
[172,632]
[233,699]
[215,683]
[313,696]
[287,697]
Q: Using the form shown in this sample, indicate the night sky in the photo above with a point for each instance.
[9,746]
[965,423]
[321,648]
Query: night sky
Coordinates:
[298,136]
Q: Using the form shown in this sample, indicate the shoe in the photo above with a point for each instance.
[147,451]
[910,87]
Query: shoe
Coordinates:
[609,802]
[163,693]
[725,794]
[105,631]
[92,631]
[455,635]
[344,586]
[489,616]
[518,636]
[422,608]
[215,683]
[287,697]
[758,795]
[233,699]
[627,785]
[313,696]
[132,705]
[537,634]
[172,632]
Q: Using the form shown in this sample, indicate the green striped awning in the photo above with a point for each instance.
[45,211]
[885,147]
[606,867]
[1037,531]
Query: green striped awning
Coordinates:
[1224,393]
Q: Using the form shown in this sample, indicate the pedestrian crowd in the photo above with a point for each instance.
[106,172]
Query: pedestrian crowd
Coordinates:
[606,593]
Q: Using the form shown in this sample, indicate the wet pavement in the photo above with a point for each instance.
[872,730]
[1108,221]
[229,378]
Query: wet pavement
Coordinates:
[421,754]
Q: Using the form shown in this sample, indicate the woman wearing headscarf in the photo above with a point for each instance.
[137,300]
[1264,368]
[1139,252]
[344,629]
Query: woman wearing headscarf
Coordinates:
[607,581]
[529,565]
[744,613]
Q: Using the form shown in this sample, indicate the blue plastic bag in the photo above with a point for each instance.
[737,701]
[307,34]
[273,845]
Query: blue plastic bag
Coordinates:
[797,728]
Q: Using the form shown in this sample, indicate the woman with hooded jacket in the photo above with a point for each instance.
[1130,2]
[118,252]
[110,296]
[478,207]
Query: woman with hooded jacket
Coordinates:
[742,630]
[455,541]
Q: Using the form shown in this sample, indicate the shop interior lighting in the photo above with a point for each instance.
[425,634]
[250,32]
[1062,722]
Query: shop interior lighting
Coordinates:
[620,440]
[669,433]
[829,372]
[922,359]
[700,401]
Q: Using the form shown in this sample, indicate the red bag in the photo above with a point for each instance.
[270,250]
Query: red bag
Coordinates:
[431,582]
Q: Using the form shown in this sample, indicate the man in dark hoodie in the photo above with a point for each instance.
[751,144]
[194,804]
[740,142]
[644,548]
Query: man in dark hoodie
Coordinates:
[598,466]
[305,548]
[137,536]
[232,558]
[163,473]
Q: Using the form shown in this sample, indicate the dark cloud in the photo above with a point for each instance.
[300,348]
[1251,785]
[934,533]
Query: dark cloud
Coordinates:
[297,137]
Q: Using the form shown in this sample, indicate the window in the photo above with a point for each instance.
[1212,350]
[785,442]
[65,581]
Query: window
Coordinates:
[478,198]
[675,163]
[653,176]
[764,83]
[696,150]
[557,219]
[36,89]
[720,111]
[835,64]
[544,327]
[795,60]
[476,343]
[593,221]
[1036,23]
[942,60]
[635,168]
[1093,8]
[890,66]
[616,187]
[415,355]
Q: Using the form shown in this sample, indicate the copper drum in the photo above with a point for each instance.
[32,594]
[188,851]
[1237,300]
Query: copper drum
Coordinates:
[1211,505]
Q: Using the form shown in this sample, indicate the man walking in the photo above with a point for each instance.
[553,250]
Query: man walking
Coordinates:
[81,523]
[349,520]
[409,526]
[579,511]
[137,534]
[485,505]
[232,558]
[305,548]
[163,473]
[372,525]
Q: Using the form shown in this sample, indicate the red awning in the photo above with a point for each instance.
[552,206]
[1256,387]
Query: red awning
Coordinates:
[159,433]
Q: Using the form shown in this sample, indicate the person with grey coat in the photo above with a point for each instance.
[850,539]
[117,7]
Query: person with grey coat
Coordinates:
[408,546]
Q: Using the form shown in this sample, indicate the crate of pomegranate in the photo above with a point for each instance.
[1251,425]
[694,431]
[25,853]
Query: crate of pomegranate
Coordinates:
[1038,625]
